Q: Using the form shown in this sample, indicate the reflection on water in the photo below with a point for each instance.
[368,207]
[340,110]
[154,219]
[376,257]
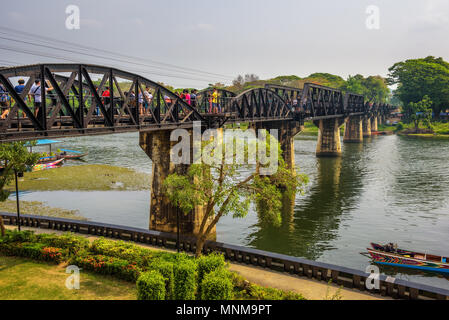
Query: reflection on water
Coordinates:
[388,189]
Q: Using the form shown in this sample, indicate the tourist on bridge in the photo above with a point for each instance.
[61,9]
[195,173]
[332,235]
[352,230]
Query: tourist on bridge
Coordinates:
[140,101]
[216,107]
[106,97]
[187,96]
[193,100]
[36,92]
[4,101]
[148,99]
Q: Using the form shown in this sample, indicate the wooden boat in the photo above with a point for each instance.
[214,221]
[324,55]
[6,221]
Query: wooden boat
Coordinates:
[47,165]
[388,255]
[70,154]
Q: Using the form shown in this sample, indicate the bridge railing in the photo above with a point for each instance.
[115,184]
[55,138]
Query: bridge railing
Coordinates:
[342,276]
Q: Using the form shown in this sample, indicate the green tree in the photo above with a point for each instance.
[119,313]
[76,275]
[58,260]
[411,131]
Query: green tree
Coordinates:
[354,84]
[416,78]
[418,112]
[221,189]
[14,158]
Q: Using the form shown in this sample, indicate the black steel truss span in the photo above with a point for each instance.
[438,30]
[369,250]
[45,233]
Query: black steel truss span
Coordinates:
[76,104]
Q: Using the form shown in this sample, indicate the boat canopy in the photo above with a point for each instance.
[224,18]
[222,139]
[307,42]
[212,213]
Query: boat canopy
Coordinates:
[43,142]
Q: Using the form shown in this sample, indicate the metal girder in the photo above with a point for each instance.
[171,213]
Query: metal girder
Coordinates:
[78,89]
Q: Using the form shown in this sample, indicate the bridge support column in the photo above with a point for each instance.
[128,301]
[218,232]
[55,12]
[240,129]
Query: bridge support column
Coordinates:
[366,124]
[374,124]
[329,144]
[287,130]
[163,215]
[353,130]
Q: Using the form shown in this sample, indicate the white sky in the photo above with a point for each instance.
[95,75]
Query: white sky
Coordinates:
[231,37]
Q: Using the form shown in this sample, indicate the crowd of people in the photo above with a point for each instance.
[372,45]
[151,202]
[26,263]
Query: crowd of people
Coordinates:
[143,101]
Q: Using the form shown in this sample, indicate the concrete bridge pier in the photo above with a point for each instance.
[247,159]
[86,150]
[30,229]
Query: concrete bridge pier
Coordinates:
[287,130]
[374,124]
[329,144]
[163,215]
[366,126]
[353,130]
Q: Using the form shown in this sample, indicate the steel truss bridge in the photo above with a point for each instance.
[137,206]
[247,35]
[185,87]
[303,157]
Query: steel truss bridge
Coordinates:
[75,105]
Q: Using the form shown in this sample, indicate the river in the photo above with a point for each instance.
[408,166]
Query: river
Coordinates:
[388,189]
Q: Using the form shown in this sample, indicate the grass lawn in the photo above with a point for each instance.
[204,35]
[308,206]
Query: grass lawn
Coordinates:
[24,279]
[85,178]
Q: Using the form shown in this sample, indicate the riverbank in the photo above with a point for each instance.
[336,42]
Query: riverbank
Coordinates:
[310,289]
[84,178]
[38,208]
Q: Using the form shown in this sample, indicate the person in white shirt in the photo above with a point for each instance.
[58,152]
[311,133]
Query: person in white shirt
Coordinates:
[36,92]
[148,98]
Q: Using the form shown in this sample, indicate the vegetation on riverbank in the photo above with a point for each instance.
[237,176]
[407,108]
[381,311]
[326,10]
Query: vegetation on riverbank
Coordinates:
[159,274]
[40,209]
[85,178]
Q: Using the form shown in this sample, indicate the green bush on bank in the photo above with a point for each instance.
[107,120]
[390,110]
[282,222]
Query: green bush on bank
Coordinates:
[217,285]
[185,280]
[151,286]
[32,250]
[72,243]
[107,265]
[165,268]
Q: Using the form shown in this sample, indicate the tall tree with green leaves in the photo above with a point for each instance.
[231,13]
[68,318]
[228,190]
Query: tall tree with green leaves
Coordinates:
[222,189]
[14,158]
[417,78]
[419,112]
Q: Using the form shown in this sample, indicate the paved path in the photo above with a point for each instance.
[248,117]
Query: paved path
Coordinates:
[310,289]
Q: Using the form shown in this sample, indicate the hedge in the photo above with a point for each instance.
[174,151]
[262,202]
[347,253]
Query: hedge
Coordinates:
[37,251]
[208,264]
[108,265]
[165,268]
[69,241]
[151,286]
[217,285]
[185,280]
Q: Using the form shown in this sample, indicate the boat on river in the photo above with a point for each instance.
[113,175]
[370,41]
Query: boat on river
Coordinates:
[391,255]
[47,165]
[64,154]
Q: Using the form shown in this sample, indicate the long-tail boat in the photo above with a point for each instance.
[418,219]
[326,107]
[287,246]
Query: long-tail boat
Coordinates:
[47,165]
[390,255]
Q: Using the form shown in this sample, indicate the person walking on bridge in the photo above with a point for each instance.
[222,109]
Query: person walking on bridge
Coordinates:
[215,105]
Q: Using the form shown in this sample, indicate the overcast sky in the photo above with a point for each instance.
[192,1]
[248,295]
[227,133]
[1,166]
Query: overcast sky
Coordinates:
[231,37]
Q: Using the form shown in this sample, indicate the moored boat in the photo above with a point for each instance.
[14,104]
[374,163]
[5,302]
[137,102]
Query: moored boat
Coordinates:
[391,255]
[47,165]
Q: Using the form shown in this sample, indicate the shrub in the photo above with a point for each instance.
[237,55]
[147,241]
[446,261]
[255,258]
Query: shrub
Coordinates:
[17,236]
[165,268]
[261,293]
[107,265]
[217,285]
[185,280]
[69,241]
[151,286]
[208,264]
[37,251]
[122,250]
